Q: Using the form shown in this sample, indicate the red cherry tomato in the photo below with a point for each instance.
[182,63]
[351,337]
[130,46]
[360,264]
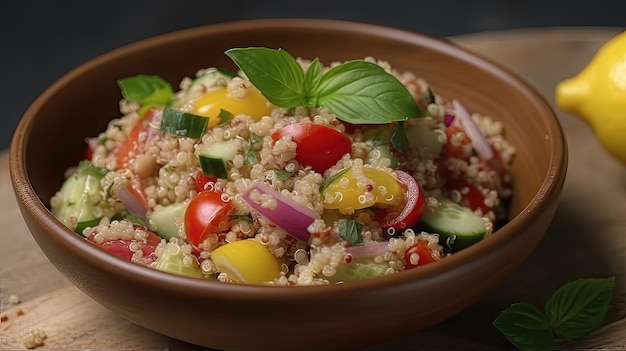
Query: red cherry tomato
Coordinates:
[422,256]
[121,248]
[202,181]
[204,214]
[471,196]
[460,150]
[318,146]
[398,219]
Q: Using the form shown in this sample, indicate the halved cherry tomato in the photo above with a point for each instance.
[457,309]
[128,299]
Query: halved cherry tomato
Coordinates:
[422,255]
[133,145]
[452,148]
[471,196]
[88,155]
[318,146]
[202,181]
[121,248]
[409,213]
[204,214]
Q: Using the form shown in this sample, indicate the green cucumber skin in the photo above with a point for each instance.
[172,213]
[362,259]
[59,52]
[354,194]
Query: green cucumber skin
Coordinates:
[458,227]
[162,219]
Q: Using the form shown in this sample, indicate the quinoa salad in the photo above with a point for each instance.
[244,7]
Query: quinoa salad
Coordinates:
[288,172]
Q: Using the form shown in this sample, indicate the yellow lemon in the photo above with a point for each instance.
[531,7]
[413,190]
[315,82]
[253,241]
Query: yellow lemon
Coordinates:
[246,261]
[597,94]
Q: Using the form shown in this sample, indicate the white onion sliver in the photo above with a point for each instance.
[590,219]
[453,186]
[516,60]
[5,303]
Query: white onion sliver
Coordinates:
[370,249]
[479,142]
[130,201]
[290,215]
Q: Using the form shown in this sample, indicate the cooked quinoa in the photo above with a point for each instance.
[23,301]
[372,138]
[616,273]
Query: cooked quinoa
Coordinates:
[166,170]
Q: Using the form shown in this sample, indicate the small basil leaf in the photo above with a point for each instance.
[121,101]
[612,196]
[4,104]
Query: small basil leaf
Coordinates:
[578,308]
[362,92]
[312,78]
[525,326]
[399,139]
[275,73]
[149,90]
[350,230]
[282,174]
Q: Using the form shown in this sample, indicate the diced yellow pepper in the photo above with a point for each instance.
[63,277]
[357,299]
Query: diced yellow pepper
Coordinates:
[362,187]
[253,104]
[246,261]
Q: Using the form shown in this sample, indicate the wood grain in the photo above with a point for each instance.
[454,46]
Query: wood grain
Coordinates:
[586,239]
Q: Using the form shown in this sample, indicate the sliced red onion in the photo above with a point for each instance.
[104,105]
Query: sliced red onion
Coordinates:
[130,201]
[448,118]
[370,249]
[479,141]
[290,215]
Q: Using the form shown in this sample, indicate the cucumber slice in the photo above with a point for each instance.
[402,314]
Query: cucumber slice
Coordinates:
[378,154]
[424,140]
[458,227]
[213,157]
[162,219]
[360,268]
[182,123]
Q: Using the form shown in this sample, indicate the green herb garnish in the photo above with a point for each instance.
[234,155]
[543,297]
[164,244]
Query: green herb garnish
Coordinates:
[282,174]
[399,139]
[574,310]
[332,178]
[250,154]
[355,91]
[242,217]
[147,90]
[350,230]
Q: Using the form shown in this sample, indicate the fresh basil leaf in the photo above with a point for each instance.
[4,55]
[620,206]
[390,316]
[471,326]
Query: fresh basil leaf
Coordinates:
[429,96]
[399,139]
[282,174]
[147,90]
[578,308]
[525,326]
[350,230]
[362,92]
[275,73]
[312,78]
[250,154]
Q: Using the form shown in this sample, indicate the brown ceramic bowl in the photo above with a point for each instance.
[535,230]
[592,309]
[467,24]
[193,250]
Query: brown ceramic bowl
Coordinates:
[50,138]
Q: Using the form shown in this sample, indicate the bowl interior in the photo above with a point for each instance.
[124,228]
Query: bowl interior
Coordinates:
[51,138]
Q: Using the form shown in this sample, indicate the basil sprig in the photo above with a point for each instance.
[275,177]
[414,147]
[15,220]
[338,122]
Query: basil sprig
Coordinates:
[350,230]
[574,310]
[356,91]
[149,91]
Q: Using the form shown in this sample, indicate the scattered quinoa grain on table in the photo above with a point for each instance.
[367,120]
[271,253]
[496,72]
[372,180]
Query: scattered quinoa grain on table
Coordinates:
[232,179]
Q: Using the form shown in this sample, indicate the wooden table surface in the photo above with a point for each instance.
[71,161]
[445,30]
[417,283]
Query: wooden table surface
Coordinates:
[586,239]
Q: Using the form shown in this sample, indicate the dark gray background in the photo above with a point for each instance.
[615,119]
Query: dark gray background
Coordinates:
[42,40]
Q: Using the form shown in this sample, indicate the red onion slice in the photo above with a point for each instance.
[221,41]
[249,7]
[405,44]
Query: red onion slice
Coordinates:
[289,215]
[130,201]
[479,141]
[448,118]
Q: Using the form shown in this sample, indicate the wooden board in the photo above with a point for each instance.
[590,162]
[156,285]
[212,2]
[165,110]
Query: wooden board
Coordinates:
[586,239]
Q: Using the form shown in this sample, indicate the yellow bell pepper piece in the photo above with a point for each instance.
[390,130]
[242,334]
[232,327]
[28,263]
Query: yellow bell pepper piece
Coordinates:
[246,261]
[362,187]
[252,104]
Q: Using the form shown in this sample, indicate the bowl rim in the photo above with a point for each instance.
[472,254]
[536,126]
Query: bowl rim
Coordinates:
[548,192]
